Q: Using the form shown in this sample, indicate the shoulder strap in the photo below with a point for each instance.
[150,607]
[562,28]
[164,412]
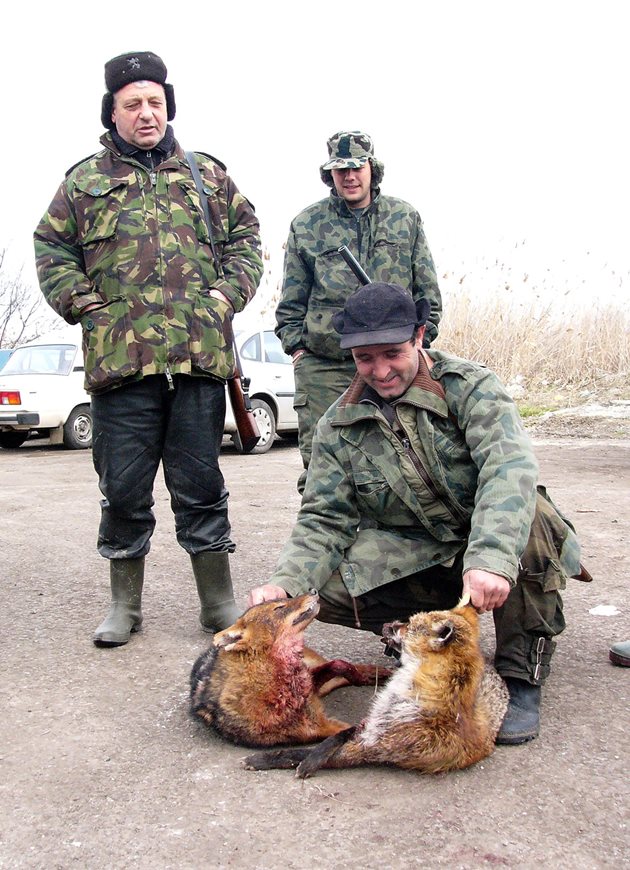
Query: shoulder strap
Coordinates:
[194,169]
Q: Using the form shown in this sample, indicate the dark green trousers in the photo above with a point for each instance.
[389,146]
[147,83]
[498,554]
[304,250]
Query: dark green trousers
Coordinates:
[524,625]
[318,383]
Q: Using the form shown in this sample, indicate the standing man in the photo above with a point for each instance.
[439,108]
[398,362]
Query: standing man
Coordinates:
[422,486]
[386,237]
[124,250]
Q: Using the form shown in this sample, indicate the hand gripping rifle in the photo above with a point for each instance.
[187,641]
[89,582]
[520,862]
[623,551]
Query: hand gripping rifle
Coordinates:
[238,385]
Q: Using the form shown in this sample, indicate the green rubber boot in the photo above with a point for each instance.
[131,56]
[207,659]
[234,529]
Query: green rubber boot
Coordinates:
[214,585]
[125,615]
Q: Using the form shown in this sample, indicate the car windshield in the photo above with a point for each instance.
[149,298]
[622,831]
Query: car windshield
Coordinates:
[41,359]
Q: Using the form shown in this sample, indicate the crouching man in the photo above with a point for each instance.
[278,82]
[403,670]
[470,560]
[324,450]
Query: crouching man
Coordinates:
[423,485]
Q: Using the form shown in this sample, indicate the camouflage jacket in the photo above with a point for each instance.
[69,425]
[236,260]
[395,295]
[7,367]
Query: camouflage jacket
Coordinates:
[135,242]
[388,241]
[460,475]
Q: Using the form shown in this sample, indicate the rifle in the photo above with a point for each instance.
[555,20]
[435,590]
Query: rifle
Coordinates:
[354,264]
[238,385]
[238,391]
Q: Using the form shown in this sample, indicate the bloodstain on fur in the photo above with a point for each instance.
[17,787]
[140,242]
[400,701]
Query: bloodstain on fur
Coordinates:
[440,711]
[258,685]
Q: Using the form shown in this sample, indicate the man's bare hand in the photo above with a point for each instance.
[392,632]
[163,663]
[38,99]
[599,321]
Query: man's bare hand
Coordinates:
[265,593]
[487,590]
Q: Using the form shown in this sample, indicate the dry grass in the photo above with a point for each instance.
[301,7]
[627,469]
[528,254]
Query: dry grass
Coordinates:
[550,346]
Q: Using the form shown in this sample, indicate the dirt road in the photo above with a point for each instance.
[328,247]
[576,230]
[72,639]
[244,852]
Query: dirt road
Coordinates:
[101,766]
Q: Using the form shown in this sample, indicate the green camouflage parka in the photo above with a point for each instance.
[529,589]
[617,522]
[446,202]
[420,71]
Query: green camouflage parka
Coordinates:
[134,241]
[461,476]
[388,241]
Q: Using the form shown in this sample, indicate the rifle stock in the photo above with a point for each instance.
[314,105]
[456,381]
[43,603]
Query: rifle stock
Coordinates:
[243,416]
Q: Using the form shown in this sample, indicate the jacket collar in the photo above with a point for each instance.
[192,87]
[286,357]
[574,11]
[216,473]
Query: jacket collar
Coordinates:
[341,206]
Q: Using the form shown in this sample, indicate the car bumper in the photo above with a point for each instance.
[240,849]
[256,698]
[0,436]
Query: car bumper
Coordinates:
[19,419]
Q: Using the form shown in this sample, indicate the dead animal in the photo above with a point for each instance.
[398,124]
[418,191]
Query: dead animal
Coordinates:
[258,685]
[440,711]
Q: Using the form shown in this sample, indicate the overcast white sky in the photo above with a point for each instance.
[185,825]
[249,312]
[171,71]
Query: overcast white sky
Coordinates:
[505,123]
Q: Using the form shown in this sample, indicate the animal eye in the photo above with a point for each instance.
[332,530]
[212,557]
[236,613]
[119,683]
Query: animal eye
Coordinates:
[445,632]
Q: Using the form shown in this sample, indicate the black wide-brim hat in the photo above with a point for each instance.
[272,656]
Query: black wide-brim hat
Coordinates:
[135,66]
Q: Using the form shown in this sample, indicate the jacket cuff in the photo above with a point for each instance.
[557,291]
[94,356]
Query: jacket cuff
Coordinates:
[236,299]
[79,303]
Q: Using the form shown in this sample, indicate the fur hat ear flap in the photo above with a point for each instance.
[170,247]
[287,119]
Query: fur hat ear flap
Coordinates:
[169,93]
[107,107]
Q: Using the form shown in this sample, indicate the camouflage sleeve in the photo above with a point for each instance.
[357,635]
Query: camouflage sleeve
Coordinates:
[296,288]
[505,499]
[425,282]
[59,261]
[241,257]
[327,522]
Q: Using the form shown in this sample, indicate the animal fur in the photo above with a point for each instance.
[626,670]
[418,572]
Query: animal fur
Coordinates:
[440,711]
[258,685]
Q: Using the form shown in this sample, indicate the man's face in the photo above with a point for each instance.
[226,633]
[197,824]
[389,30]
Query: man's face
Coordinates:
[140,114]
[354,185]
[389,368]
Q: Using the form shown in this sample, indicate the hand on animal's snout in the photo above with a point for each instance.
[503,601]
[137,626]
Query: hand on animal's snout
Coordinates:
[487,590]
[268,592]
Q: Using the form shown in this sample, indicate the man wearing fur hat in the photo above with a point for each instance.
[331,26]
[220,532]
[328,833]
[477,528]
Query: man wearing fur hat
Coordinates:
[124,250]
[387,238]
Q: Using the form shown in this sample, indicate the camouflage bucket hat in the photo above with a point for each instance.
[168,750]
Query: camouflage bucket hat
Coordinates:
[348,150]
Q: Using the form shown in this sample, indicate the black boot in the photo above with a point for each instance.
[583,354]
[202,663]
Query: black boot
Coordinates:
[522,719]
[214,585]
[125,615]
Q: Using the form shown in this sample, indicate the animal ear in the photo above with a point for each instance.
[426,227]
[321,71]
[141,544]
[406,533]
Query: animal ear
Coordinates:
[227,640]
[445,634]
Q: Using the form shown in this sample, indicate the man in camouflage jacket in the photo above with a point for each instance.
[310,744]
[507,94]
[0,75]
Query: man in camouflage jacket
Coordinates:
[423,486]
[124,250]
[387,238]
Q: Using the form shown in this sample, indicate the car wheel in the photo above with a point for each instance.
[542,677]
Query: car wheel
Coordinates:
[77,430]
[266,423]
[12,440]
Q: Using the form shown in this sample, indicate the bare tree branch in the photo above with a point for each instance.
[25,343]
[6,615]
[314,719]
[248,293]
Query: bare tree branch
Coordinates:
[24,314]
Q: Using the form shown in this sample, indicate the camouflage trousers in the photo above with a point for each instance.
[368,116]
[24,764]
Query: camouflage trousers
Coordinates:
[524,625]
[318,383]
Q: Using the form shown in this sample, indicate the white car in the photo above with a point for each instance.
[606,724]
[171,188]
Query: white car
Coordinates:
[41,390]
[271,387]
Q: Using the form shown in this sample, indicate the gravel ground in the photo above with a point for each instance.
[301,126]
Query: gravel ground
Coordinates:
[102,767]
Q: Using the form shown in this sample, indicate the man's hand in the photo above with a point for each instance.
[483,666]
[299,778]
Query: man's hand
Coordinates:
[265,593]
[487,591]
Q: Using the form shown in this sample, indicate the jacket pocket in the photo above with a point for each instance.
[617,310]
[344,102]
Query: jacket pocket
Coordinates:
[210,336]
[217,206]
[542,610]
[110,349]
[98,203]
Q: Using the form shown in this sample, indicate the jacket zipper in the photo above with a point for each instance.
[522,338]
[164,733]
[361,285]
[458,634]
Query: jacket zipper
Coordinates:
[169,378]
[424,475]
